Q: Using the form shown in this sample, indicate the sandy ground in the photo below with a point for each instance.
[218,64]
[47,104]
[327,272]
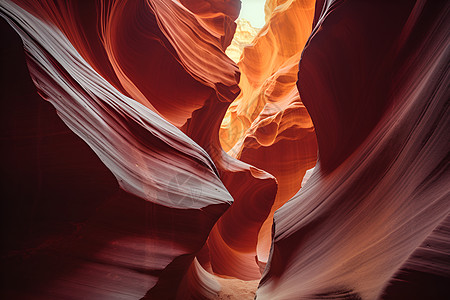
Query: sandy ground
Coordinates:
[235,289]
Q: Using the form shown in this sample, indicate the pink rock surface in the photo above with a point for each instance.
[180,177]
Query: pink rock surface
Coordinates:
[168,170]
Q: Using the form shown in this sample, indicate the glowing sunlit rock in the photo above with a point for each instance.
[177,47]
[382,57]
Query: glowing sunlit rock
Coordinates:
[171,170]
[243,37]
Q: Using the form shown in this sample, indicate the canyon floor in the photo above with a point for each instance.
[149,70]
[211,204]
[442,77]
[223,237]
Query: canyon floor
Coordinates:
[236,289]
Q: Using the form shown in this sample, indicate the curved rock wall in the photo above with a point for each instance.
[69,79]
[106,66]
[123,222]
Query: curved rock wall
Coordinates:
[199,161]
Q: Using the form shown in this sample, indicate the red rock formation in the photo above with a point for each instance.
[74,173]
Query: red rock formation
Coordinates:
[198,174]
[377,97]
[149,157]
[268,117]
[139,146]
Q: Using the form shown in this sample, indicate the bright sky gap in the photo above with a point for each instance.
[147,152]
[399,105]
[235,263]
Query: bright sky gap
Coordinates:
[253,11]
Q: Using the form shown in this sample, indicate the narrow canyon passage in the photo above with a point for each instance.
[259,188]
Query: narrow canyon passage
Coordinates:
[150,152]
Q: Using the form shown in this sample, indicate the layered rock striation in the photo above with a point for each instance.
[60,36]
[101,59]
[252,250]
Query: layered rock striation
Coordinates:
[181,164]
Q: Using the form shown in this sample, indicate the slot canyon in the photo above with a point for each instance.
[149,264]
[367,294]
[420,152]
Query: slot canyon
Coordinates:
[170,149]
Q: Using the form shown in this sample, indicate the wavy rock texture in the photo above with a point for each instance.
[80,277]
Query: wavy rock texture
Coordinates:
[89,78]
[149,157]
[377,94]
[186,158]
[243,37]
[268,117]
